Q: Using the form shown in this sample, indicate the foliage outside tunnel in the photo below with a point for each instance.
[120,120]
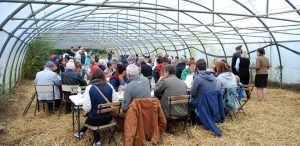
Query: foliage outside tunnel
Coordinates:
[37,54]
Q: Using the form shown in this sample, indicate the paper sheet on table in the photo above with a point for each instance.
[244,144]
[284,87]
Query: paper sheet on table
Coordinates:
[189,80]
[120,96]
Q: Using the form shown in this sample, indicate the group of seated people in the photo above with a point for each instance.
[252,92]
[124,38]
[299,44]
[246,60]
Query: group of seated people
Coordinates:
[133,81]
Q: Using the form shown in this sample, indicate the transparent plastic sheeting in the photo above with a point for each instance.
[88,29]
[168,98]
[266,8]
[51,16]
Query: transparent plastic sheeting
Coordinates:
[202,29]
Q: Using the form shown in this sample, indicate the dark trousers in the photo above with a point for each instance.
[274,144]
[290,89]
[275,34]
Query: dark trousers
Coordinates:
[50,105]
[96,120]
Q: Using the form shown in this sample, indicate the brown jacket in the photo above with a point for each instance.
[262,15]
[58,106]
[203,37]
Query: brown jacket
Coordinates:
[262,65]
[144,119]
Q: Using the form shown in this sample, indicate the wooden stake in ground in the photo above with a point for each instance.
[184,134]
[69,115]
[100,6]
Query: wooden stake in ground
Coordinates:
[28,105]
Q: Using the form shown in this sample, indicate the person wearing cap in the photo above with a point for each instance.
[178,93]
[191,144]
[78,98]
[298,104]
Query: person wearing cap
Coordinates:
[261,78]
[48,77]
[136,87]
[235,56]
[70,77]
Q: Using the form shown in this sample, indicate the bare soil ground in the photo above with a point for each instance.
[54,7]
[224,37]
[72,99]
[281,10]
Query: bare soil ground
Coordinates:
[272,122]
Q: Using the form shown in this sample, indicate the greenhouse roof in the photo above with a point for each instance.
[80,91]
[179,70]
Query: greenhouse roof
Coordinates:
[201,28]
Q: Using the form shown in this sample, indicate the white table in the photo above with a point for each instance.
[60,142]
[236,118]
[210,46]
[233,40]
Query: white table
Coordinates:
[121,96]
[76,101]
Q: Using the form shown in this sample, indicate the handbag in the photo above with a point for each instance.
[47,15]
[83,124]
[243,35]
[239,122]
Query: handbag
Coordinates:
[231,101]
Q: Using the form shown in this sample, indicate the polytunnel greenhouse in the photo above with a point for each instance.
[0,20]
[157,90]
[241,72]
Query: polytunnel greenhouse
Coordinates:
[241,50]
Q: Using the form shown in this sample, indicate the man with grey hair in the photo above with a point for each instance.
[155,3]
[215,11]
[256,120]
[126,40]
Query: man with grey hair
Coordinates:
[48,77]
[131,60]
[137,87]
[70,77]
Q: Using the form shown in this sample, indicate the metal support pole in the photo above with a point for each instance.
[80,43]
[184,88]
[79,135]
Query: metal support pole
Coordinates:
[139,19]
[178,15]
[267,9]
[213,15]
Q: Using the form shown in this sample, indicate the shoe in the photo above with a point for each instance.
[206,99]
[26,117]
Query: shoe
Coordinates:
[97,143]
[78,136]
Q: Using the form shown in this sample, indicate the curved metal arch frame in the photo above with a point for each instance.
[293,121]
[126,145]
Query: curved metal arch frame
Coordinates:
[144,44]
[224,20]
[126,40]
[141,29]
[63,17]
[146,25]
[188,29]
[271,34]
[165,26]
[10,35]
[7,62]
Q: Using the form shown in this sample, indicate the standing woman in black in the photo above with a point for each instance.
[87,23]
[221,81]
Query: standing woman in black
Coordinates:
[242,67]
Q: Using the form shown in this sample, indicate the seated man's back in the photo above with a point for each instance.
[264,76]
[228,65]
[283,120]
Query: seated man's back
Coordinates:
[137,87]
[70,77]
[203,82]
[48,77]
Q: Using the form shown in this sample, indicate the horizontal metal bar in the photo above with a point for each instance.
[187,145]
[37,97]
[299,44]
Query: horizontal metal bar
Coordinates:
[143,8]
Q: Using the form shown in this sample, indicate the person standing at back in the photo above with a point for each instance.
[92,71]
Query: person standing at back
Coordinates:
[235,56]
[242,67]
[261,78]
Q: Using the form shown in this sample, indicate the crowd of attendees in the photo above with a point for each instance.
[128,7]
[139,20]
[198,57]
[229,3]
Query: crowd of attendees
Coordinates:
[136,75]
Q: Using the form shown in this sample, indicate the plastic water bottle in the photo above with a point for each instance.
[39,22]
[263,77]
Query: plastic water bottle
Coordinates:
[79,92]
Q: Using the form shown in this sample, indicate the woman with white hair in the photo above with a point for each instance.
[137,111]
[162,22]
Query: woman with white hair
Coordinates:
[242,67]
[101,64]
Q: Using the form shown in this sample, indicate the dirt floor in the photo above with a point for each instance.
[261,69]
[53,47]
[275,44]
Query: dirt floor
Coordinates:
[272,122]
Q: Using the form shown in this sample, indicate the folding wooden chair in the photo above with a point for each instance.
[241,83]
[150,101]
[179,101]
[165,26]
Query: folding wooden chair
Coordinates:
[40,89]
[72,89]
[247,88]
[106,108]
[179,100]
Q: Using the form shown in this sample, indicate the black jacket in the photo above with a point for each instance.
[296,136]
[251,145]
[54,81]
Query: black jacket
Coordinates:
[70,77]
[235,56]
[82,57]
[179,68]
[146,70]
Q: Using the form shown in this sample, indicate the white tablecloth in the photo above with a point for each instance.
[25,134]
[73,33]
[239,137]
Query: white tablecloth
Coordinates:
[79,100]
[76,100]
[121,96]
